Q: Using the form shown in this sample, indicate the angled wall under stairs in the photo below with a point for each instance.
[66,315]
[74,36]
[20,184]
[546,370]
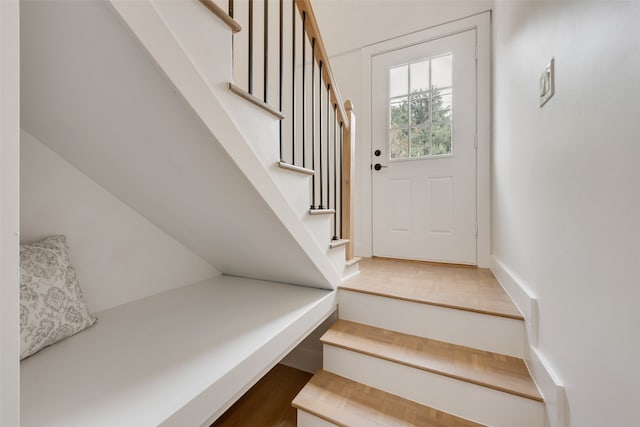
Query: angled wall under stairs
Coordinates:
[149,129]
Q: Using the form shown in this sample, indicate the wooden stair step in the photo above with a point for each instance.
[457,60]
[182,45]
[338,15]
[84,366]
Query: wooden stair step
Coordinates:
[222,15]
[353,261]
[255,101]
[343,402]
[497,371]
[458,287]
[337,243]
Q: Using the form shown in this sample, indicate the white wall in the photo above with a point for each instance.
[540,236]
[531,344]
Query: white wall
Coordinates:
[566,203]
[347,27]
[9,213]
[119,255]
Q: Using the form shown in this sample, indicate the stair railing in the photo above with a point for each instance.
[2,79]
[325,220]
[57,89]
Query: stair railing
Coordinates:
[282,52]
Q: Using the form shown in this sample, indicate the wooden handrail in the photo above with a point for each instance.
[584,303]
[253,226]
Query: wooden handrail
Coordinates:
[222,15]
[313,32]
[348,174]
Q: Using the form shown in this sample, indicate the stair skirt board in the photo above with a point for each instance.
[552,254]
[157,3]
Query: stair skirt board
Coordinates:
[484,332]
[470,401]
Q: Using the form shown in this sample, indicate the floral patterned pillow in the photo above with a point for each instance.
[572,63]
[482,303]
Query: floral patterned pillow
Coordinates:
[51,303]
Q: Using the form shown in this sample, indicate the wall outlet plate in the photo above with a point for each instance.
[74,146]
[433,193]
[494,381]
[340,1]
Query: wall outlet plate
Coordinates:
[547,83]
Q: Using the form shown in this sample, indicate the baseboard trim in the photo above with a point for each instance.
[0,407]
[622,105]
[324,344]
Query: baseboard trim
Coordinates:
[555,400]
[548,383]
[521,296]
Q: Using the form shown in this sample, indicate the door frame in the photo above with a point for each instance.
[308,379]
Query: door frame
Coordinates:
[482,24]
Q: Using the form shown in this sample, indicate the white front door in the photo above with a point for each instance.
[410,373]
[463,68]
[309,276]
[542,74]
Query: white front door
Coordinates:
[424,154]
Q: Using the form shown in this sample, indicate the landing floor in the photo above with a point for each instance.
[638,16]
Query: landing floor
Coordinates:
[466,288]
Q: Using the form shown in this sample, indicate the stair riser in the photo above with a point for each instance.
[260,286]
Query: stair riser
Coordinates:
[305,419]
[295,187]
[490,333]
[336,257]
[319,227]
[466,400]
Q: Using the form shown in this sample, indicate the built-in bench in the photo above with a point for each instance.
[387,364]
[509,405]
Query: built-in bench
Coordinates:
[179,358]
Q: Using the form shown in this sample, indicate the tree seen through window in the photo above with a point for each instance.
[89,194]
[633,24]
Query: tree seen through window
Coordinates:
[420,120]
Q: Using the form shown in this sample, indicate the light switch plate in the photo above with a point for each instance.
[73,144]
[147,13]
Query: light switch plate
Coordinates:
[547,83]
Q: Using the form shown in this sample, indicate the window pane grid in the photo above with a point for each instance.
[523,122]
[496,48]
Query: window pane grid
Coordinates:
[420,116]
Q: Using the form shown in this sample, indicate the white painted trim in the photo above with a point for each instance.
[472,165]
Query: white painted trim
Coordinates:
[546,379]
[9,212]
[482,24]
[551,388]
[521,296]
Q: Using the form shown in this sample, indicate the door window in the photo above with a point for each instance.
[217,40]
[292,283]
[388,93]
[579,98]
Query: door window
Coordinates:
[421,108]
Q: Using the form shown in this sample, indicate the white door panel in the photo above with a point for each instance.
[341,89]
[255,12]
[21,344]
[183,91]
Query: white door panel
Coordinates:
[424,126]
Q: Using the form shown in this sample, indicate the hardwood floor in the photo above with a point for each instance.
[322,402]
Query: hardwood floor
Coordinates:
[460,287]
[268,403]
[348,403]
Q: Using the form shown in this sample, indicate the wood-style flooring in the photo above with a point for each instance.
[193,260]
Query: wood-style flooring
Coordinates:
[347,403]
[268,402]
[460,287]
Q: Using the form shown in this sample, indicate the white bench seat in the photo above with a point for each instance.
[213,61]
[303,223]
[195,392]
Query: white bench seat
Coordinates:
[179,358]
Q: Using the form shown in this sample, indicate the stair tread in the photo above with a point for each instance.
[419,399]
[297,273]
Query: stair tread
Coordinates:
[319,211]
[337,243]
[499,372]
[348,403]
[353,261]
[463,288]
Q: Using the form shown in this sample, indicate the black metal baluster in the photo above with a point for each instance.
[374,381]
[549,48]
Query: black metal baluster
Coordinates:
[250,88]
[328,148]
[320,206]
[304,92]
[340,173]
[233,50]
[266,49]
[293,83]
[281,71]
[313,122]
[335,172]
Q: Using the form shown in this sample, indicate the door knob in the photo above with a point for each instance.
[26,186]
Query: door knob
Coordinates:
[378,166]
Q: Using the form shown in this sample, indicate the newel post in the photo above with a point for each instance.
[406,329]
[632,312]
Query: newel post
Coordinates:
[348,173]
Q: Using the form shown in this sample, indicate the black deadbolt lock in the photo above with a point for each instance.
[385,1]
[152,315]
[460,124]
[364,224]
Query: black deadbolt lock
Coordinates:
[377,152]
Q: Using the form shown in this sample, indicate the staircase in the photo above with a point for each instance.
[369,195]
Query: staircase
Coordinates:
[150,100]
[425,345]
